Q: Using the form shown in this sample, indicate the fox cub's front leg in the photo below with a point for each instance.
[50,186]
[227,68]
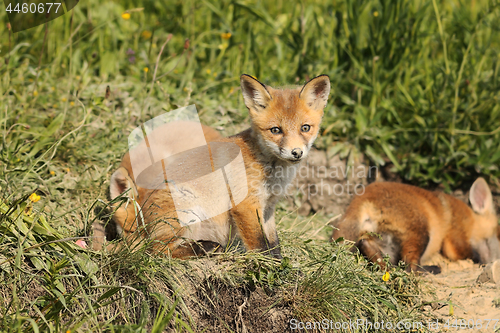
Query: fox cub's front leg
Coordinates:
[256,232]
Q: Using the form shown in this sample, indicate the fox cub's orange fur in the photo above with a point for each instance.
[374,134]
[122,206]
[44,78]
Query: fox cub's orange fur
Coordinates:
[284,125]
[411,224]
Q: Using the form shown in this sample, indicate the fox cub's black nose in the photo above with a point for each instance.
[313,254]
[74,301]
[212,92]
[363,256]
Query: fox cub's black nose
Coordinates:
[297,153]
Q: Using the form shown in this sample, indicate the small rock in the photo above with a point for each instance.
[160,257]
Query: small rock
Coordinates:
[491,273]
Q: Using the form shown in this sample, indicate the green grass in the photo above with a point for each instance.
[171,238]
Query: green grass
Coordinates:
[414,84]
[50,284]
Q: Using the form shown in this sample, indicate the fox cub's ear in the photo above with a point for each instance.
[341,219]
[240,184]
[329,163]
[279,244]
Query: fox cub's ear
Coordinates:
[121,182]
[255,93]
[315,92]
[480,197]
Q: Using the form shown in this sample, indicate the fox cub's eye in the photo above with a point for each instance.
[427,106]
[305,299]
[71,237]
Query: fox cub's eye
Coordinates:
[276,130]
[305,128]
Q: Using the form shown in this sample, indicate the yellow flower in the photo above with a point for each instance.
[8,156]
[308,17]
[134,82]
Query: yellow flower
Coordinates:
[126,16]
[78,77]
[223,46]
[54,106]
[52,172]
[53,88]
[31,80]
[386,276]
[72,103]
[34,197]
[64,99]
[209,71]
[231,90]
[35,93]
[146,34]
[185,89]
[226,35]
[215,74]
[67,169]
[154,45]
[375,14]
[146,69]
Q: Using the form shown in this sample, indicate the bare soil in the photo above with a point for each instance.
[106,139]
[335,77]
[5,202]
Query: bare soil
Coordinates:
[458,299]
[216,306]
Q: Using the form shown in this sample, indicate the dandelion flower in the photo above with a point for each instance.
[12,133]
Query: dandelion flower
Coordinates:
[226,35]
[146,34]
[146,69]
[52,172]
[53,88]
[67,170]
[34,197]
[126,16]
[35,93]
[64,99]
[386,276]
[375,14]
[209,71]
[72,103]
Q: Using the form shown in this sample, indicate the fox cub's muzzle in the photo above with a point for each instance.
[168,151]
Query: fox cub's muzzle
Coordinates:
[297,153]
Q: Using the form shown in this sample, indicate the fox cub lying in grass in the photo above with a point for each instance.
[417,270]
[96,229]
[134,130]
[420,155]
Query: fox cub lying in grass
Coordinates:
[411,224]
[284,125]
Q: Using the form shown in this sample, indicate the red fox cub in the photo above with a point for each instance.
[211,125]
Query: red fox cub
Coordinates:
[284,125]
[411,224]
[123,178]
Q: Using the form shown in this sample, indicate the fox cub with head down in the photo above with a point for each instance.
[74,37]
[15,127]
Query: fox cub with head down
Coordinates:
[412,224]
[284,125]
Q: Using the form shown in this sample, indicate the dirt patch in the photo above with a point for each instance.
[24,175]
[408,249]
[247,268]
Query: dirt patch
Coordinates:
[327,184]
[458,299]
[226,309]
[216,305]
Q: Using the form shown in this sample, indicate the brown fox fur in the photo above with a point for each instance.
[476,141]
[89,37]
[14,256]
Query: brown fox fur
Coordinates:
[284,124]
[412,224]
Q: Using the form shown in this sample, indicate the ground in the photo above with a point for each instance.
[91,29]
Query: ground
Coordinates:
[459,299]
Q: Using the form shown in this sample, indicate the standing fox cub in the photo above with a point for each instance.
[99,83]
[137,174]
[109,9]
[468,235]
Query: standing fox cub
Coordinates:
[284,125]
[411,224]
